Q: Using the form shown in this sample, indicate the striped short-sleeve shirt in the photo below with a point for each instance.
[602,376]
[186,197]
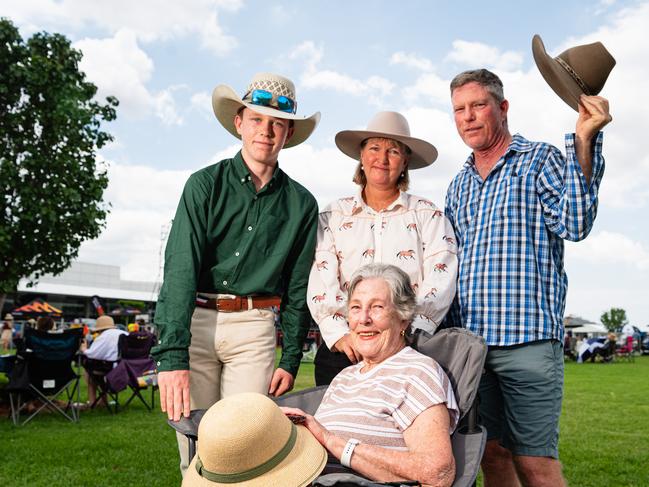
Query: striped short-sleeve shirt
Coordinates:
[377,406]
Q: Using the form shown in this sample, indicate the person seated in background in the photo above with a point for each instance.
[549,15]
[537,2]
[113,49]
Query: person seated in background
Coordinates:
[45,323]
[7,332]
[390,416]
[104,347]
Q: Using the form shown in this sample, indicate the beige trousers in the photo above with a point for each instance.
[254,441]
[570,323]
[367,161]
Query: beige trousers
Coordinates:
[229,353]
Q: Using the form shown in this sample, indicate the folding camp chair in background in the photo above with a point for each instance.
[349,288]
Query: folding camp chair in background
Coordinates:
[135,368]
[460,353]
[625,351]
[97,371]
[43,372]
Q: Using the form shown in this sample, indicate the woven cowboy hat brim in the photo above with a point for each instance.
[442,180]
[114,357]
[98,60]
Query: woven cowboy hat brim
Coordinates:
[226,104]
[555,75]
[299,468]
[423,153]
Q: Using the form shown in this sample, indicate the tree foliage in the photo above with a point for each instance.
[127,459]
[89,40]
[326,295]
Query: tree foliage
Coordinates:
[51,185]
[614,318]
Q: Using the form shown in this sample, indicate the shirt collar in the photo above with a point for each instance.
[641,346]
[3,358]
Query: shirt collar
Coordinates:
[517,144]
[242,173]
[360,205]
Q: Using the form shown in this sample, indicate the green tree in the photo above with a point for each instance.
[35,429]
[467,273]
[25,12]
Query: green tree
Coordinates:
[51,184]
[614,318]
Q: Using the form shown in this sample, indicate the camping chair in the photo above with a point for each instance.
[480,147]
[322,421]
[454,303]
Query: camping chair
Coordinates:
[97,371]
[135,368]
[460,353]
[626,350]
[43,372]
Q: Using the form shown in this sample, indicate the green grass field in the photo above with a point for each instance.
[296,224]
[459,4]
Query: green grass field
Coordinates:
[604,437]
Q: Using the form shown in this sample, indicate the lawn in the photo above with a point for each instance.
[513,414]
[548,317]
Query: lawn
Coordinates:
[604,437]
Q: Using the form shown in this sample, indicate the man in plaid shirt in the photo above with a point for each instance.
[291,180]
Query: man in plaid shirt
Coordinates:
[512,205]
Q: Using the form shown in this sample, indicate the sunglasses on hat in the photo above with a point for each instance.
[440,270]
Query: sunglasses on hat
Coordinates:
[265,98]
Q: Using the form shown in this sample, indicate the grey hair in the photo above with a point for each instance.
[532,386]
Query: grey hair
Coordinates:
[485,78]
[401,292]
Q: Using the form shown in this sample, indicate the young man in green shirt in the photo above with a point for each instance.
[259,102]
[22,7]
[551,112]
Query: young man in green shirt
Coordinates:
[242,241]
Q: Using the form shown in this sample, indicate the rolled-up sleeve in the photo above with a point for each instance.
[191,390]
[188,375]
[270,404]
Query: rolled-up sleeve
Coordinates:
[569,201]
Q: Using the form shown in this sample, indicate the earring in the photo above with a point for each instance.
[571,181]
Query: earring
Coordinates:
[403,333]
[403,175]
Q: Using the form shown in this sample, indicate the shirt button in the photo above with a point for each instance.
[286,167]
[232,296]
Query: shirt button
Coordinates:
[250,228]
[158,364]
[237,254]
[249,178]
[243,180]
[225,283]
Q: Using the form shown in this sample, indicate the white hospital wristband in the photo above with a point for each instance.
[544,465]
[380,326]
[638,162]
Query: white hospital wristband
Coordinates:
[348,451]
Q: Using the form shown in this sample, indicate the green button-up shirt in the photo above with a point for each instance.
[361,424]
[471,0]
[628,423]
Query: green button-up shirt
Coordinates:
[228,238]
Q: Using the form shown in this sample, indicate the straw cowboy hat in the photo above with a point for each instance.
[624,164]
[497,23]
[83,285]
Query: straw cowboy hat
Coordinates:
[580,69]
[389,125]
[246,440]
[104,322]
[272,90]
[9,317]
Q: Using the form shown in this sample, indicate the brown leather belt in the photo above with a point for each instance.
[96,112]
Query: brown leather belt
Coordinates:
[237,303]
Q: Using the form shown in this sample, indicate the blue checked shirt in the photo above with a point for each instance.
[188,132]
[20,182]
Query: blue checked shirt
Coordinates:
[510,230]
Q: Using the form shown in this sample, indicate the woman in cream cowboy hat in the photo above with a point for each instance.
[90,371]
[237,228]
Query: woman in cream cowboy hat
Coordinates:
[380,223]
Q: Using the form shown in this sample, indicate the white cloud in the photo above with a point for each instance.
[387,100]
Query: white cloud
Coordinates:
[149,20]
[428,88]
[411,60]
[202,102]
[611,249]
[375,88]
[120,68]
[475,54]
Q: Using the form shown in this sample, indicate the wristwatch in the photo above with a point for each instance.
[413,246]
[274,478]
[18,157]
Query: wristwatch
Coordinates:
[348,451]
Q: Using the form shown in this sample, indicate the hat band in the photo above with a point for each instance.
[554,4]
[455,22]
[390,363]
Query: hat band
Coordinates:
[573,74]
[268,465]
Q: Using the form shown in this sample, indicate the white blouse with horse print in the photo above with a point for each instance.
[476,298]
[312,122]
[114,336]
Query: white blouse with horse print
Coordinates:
[412,234]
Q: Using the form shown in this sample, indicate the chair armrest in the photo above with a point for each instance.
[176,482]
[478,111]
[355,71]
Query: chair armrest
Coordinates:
[188,426]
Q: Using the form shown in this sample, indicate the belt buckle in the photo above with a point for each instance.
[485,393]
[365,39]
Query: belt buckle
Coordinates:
[229,308]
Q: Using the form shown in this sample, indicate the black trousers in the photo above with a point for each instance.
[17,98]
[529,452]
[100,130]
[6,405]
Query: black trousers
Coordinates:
[328,364]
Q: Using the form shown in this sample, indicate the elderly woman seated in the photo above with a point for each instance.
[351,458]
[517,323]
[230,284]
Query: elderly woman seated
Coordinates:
[390,416]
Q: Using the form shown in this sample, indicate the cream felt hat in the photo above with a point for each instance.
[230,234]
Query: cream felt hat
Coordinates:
[245,440]
[226,105]
[389,125]
[580,69]
[9,317]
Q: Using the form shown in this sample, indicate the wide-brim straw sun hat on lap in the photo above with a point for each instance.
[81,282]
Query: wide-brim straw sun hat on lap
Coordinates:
[388,125]
[245,440]
[268,94]
[576,71]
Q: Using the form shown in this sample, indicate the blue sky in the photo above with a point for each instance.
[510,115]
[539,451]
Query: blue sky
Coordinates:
[350,59]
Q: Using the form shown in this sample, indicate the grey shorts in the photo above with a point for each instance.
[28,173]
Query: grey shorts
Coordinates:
[520,397]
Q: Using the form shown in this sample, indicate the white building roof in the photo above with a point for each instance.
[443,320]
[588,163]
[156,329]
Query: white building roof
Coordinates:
[86,279]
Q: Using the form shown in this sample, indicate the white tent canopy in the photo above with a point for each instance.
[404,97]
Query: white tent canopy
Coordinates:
[594,328]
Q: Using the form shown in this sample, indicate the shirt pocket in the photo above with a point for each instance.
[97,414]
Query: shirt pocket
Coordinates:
[273,236]
[514,198]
